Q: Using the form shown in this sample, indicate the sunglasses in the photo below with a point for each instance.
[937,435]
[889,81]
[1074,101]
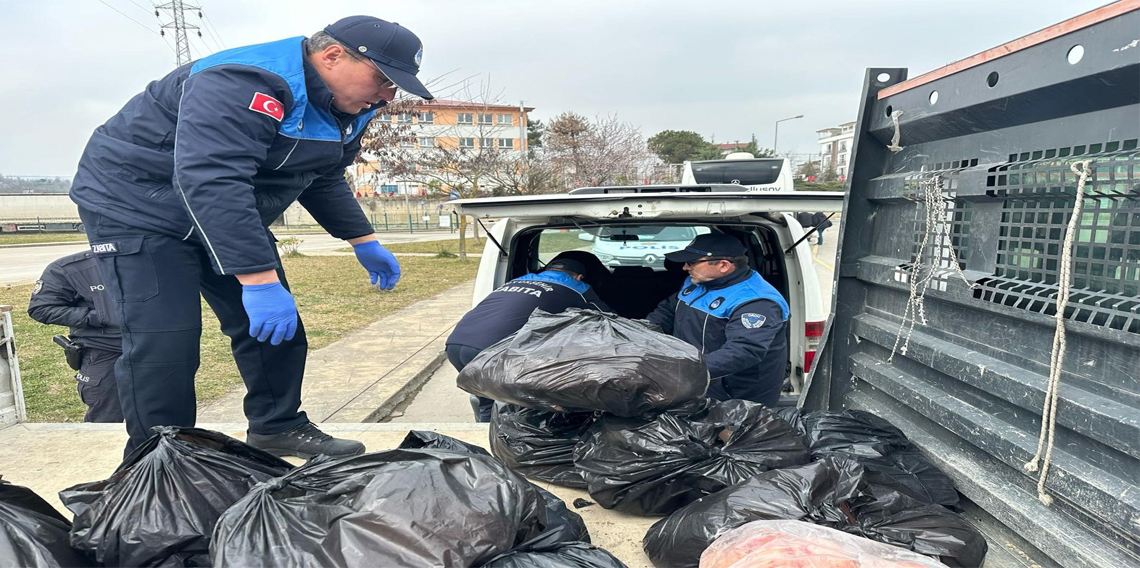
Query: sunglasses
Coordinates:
[696,262]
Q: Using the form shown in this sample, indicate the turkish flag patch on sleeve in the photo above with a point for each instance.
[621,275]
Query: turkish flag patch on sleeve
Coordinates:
[267,105]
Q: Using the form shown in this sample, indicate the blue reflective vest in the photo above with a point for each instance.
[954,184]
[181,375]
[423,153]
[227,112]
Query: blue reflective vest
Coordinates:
[739,323]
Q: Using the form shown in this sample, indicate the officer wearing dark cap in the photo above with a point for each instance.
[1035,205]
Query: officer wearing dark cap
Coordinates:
[71,293]
[733,315]
[560,285]
[177,191]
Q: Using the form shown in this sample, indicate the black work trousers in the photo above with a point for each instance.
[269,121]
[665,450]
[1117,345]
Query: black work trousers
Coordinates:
[156,282]
[97,387]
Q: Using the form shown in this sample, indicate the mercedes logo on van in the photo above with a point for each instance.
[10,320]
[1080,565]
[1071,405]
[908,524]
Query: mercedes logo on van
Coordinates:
[735,182]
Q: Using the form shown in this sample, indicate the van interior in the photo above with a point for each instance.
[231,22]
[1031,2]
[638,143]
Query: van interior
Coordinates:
[635,291]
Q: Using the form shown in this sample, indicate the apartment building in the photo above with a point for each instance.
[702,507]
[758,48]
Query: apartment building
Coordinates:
[835,148]
[449,124]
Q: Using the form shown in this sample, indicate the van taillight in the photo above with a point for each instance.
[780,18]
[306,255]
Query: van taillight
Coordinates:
[813,330]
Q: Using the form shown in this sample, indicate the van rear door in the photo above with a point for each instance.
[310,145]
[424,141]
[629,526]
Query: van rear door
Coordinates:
[621,203]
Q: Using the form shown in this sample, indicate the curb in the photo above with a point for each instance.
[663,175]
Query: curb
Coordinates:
[418,380]
[56,244]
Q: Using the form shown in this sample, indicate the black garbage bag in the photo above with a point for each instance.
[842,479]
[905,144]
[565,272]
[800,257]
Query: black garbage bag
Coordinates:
[32,533]
[821,493]
[852,433]
[898,519]
[888,456]
[159,507]
[539,444]
[394,508]
[910,473]
[656,467]
[793,416]
[563,524]
[427,440]
[834,493]
[568,555]
[587,360]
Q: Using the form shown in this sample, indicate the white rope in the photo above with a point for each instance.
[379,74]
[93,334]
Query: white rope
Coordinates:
[938,225]
[1057,356]
[894,147]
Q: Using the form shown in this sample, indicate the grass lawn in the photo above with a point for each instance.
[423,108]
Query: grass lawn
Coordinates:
[552,241]
[32,238]
[333,296]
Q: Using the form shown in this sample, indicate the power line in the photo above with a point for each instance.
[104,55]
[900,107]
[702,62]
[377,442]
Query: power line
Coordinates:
[141,7]
[142,25]
[210,24]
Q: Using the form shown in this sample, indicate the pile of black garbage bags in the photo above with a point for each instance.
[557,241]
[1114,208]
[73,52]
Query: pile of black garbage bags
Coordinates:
[191,497]
[610,405]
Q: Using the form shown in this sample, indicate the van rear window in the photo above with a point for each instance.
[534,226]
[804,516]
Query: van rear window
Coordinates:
[743,172]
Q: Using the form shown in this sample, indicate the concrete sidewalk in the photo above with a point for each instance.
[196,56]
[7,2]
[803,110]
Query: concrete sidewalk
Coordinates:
[362,377]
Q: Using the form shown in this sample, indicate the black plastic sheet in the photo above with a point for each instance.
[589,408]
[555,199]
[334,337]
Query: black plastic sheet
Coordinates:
[656,467]
[160,506]
[570,555]
[587,360]
[539,444]
[834,493]
[395,508]
[32,533]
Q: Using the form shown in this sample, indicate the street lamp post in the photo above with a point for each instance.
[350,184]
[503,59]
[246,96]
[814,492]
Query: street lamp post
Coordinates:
[776,138]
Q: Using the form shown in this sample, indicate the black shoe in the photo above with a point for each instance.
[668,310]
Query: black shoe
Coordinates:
[304,441]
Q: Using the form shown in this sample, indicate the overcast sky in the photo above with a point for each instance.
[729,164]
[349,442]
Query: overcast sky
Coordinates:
[723,69]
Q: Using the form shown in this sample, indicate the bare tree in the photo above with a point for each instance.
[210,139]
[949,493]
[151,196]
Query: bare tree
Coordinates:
[605,151]
[523,176]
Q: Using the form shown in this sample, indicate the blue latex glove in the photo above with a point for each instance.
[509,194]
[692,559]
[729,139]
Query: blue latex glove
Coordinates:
[381,265]
[272,312]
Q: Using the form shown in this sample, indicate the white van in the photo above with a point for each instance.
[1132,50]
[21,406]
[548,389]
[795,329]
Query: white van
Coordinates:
[741,169]
[612,222]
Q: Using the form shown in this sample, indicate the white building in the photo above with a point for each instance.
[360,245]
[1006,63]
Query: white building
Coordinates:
[835,148]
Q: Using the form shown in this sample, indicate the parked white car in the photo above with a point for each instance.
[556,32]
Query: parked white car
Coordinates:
[611,222]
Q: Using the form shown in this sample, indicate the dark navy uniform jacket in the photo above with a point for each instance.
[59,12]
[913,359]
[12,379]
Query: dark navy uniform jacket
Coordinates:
[507,309]
[738,322]
[219,148]
[70,292]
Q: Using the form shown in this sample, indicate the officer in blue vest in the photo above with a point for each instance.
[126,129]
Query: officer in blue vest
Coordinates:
[733,316]
[177,190]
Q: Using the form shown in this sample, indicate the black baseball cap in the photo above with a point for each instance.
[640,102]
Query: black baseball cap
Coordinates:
[394,49]
[567,265]
[712,244]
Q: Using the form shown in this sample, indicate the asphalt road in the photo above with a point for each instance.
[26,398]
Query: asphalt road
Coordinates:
[23,265]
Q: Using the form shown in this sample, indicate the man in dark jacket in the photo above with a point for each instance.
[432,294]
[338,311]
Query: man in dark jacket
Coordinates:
[733,315]
[560,285]
[177,190]
[71,293]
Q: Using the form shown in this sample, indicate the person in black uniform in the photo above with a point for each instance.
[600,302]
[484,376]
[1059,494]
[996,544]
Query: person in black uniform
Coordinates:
[560,285]
[178,189]
[71,293]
